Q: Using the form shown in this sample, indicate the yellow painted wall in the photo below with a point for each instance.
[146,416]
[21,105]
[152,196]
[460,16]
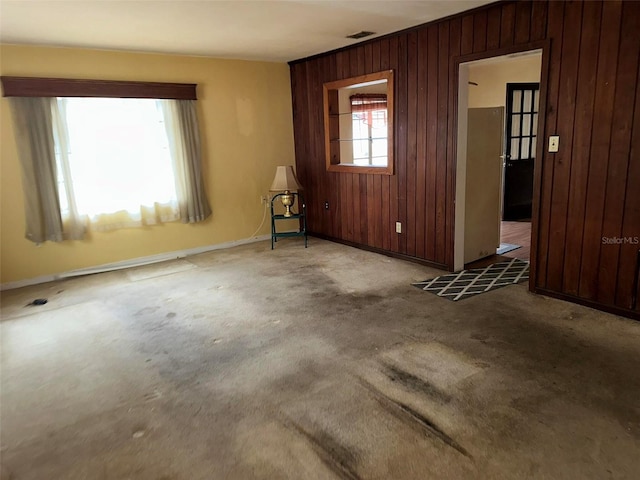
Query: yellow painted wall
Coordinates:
[246,127]
[492,77]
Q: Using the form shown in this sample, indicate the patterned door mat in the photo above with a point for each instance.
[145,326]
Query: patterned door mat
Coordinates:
[467,283]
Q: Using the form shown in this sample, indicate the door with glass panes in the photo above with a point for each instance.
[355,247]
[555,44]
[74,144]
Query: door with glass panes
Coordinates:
[520,149]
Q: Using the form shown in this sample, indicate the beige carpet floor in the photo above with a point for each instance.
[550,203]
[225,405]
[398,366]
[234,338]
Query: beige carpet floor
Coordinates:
[316,363]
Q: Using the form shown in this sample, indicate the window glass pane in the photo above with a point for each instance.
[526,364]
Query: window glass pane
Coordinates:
[536,100]
[118,154]
[527,101]
[515,125]
[526,124]
[533,147]
[379,131]
[379,119]
[379,152]
[517,97]
[370,137]
[524,148]
[360,127]
[515,148]
[535,124]
[361,151]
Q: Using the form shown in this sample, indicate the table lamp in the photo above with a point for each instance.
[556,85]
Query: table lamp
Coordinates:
[285,180]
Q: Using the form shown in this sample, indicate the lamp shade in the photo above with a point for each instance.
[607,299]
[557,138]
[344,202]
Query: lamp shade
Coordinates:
[284,180]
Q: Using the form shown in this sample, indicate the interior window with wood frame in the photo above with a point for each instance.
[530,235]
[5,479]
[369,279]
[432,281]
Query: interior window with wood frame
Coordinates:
[358,121]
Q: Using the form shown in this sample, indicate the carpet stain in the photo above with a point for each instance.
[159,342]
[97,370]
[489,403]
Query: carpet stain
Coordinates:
[414,419]
[412,382]
[331,452]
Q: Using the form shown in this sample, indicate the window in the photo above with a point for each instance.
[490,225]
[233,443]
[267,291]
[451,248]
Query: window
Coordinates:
[106,153]
[358,124]
[369,129]
[118,155]
[522,120]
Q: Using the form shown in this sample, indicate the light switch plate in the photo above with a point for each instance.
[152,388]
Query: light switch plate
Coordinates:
[554,142]
[398,227]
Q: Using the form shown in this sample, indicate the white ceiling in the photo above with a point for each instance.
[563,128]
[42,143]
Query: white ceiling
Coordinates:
[272,30]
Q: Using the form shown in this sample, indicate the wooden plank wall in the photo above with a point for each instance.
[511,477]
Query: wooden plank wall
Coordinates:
[589,190]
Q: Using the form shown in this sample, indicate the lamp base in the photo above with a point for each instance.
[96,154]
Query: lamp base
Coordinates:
[287,201]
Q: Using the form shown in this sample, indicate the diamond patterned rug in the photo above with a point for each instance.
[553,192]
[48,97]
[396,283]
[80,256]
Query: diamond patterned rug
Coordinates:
[467,283]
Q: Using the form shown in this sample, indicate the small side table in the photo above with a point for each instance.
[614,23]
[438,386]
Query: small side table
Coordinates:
[301,216]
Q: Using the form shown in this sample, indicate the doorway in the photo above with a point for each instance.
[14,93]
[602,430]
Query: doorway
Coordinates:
[498,102]
[522,102]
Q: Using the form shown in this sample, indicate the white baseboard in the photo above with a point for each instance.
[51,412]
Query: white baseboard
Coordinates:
[133,262]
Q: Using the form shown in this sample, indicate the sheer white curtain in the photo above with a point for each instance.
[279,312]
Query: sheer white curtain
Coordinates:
[120,163]
[73,223]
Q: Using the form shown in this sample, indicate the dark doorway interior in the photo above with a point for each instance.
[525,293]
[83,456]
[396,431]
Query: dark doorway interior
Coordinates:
[520,149]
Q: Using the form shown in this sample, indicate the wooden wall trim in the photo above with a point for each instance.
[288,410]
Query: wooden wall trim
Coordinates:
[369,77]
[358,170]
[623,312]
[538,166]
[498,52]
[408,258]
[66,87]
